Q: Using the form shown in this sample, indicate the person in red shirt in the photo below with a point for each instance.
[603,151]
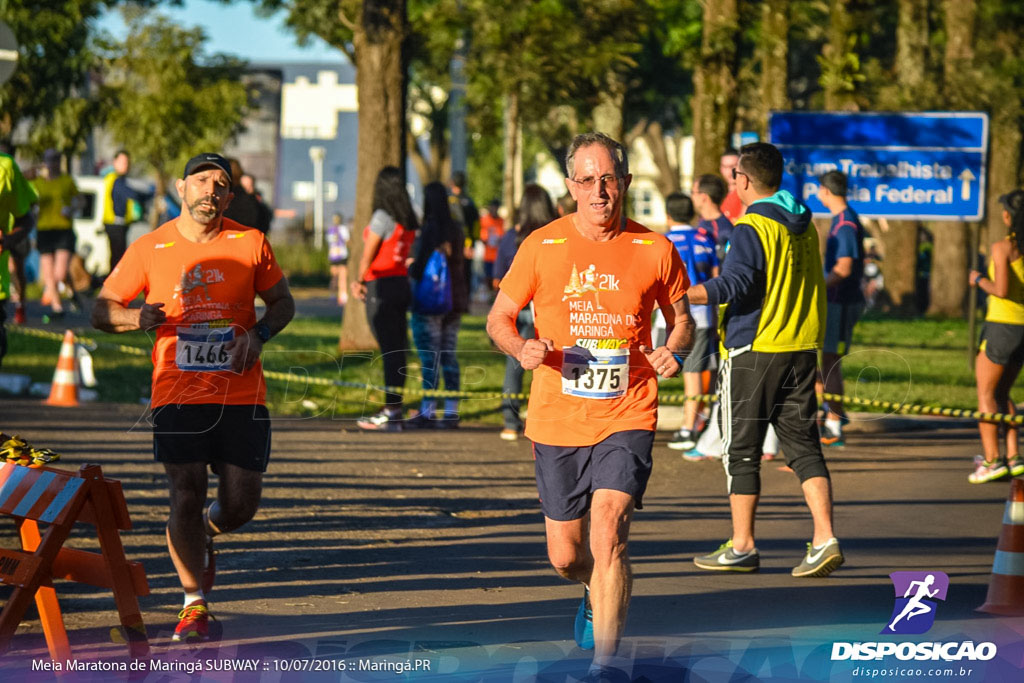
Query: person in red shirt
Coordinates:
[492,227]
[199,273]
[594,278]
[384,285]
[732,207]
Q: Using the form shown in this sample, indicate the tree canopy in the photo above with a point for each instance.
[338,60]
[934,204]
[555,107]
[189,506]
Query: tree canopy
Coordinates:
[169,99]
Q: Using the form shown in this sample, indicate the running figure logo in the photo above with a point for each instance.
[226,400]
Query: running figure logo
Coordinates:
[914,612]
[196,278]
[589,280]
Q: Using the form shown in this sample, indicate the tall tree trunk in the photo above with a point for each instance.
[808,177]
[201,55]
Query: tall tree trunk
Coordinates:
[159,197]
[420,162]
[952,256]
[436,164]
[900,266]
[714,85]
[1004,162]
[378,43]
[773,50]
[668,180]
[912,44]
[608,112]
[948,286]
[836,65]
[959,18]
[901,241]
[512,153]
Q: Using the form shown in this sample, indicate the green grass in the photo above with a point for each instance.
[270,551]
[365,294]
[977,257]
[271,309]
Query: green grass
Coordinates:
[305,264]
[911,361]
[306,348]
[914,361]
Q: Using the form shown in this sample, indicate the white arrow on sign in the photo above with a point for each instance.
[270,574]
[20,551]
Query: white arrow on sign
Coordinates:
[965,188]
[8,53]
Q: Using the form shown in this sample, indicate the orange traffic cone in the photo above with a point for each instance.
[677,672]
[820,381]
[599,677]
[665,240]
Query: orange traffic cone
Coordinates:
[64,390]
[1006,589]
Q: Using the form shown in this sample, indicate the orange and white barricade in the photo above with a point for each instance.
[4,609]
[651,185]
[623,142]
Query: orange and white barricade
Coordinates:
[58,499]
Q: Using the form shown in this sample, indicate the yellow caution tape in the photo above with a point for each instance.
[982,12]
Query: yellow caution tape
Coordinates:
[670,399]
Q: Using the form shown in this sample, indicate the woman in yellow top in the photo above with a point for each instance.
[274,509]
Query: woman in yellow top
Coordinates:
[56,236]
[1002,346]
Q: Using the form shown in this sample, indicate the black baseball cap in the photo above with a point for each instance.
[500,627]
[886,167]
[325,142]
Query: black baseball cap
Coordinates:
[1013,201]
[201,161]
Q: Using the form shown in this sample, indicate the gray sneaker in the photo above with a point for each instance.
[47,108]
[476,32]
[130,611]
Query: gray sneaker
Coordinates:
[381,422]
[683,440]
[725,559]
[820,561]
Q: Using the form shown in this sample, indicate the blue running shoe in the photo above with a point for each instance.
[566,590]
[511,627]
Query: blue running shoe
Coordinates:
[584,627]
[693,455]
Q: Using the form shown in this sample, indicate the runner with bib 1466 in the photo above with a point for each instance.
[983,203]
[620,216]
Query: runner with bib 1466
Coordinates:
[200,273]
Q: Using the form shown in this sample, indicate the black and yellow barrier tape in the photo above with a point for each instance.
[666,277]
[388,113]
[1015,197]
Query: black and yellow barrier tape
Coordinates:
[917,409]
[889,407]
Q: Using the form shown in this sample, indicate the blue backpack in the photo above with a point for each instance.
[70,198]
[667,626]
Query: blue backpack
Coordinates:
[432,294]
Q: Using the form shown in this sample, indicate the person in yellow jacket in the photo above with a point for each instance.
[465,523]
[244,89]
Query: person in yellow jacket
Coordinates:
[16,222]
[118,209]
[1002,345]
[772,328]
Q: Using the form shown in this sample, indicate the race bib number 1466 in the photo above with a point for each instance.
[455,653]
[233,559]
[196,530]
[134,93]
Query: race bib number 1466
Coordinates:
[202,349]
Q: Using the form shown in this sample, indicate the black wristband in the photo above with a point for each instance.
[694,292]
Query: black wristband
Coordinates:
[263,331]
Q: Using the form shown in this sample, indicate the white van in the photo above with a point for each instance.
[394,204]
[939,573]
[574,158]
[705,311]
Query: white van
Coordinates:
[91,239]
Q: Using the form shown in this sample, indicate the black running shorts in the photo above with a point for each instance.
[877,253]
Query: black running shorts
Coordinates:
[758,389]
[210,433]
[49,241]
[1003,343]
[567,476]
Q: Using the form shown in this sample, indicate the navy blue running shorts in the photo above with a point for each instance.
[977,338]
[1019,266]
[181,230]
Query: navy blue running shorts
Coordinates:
[211,433]
[567,476]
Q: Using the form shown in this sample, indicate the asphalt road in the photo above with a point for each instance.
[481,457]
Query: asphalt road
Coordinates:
[429,546]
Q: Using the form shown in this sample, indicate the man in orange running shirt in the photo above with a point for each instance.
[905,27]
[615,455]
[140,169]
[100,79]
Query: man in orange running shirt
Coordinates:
[199,273]
[594,278]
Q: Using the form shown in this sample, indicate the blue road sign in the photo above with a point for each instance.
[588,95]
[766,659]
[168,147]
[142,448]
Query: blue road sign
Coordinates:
[921,165]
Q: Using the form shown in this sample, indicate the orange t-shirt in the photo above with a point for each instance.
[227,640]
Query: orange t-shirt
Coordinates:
[207,290]
[598,296]
[491,230]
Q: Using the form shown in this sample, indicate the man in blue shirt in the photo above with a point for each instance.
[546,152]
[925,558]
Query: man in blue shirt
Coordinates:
[708,194]
[697,251]
[844,270]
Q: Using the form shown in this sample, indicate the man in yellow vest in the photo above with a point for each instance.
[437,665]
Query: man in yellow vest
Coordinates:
[773,286]
[119,201]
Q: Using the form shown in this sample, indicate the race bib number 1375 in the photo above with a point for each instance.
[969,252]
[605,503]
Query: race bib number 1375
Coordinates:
[202,349]
[595,374]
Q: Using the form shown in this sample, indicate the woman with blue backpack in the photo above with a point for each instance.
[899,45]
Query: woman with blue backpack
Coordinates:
[439,299]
